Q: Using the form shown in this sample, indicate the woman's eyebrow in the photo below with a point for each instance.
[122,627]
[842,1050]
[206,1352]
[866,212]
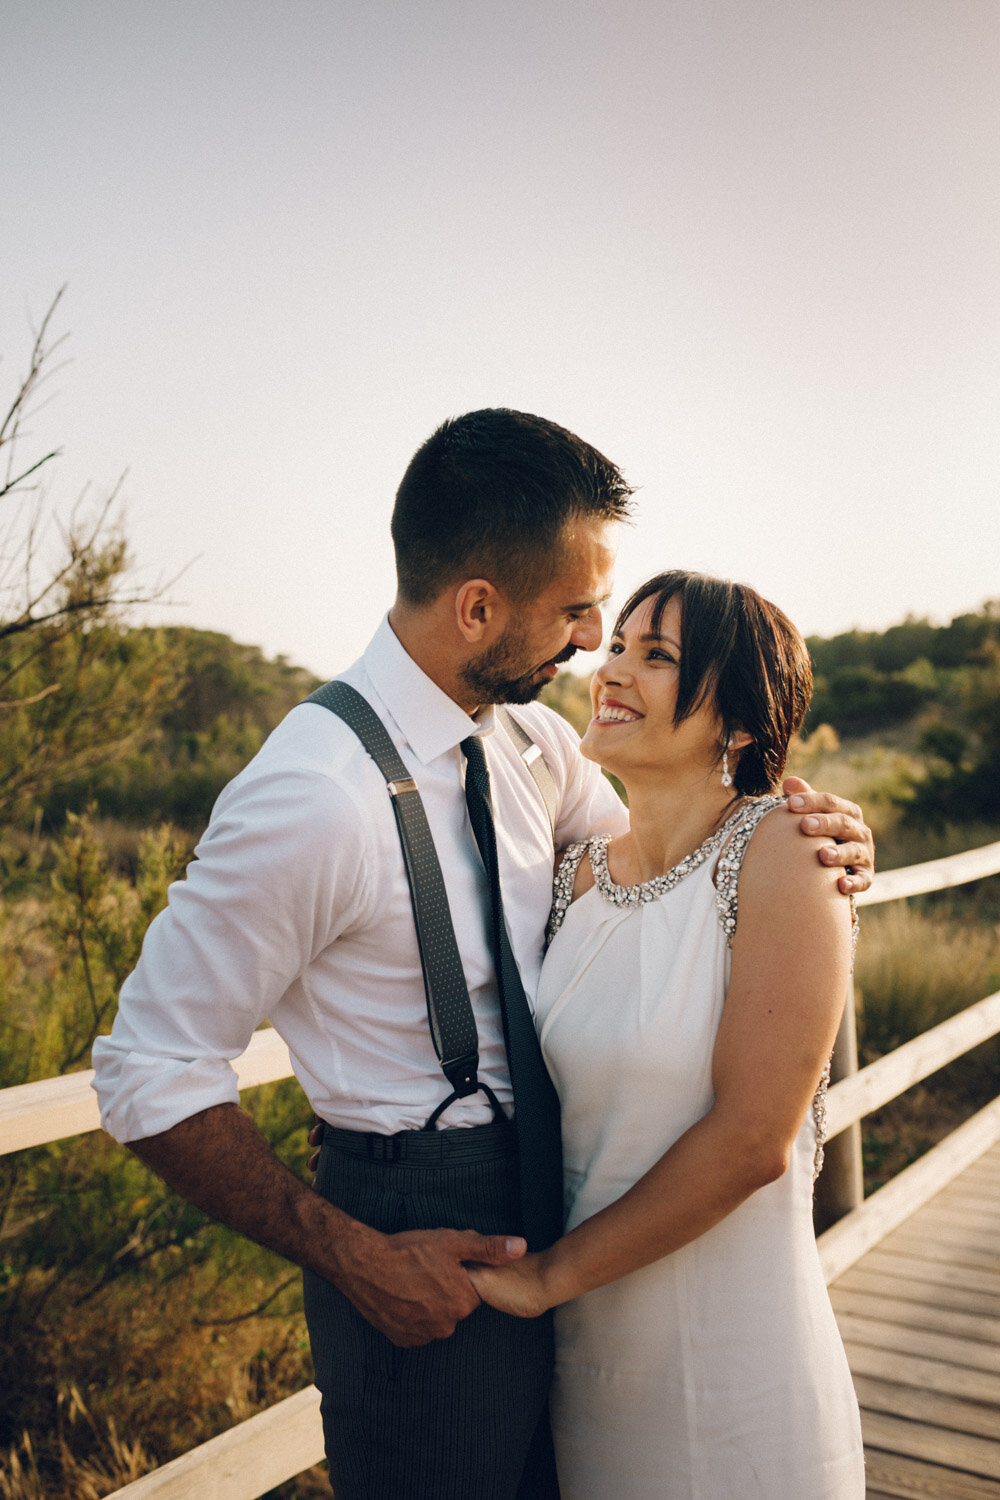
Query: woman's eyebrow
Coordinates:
[653,640]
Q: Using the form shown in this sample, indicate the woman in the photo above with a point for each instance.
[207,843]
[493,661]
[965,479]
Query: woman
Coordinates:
[698,1356]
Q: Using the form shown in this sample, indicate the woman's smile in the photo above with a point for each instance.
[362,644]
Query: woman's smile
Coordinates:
[610,711]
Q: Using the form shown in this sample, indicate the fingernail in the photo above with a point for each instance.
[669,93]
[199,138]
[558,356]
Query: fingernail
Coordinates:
[514,1247]
[797,802]
[811,825]
[829,855]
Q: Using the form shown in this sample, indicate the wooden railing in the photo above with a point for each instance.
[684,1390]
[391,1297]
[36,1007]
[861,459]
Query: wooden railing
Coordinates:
[279,1443]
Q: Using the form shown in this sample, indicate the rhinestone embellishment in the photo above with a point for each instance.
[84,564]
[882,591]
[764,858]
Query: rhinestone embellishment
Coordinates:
[819,1119]
[728,873]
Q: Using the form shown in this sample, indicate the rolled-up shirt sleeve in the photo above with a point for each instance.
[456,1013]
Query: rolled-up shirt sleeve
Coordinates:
[278,876]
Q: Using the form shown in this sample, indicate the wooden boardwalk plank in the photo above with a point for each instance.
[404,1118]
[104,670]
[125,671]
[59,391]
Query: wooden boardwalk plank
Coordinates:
[910,1291]
[894,1477]
[984,1177]
[919,1405]
[930,1316]
[930,1374]
[913,1241]
[958,1450]
[940,1273]
[970,1212]
[952,1229]
[920,1318]
[896,1338]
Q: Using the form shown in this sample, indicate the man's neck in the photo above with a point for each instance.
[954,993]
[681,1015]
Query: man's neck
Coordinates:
[424,635]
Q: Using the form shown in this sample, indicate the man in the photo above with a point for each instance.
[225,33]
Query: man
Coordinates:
[298,910]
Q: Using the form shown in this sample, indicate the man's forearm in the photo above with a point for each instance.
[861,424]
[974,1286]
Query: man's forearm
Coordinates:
[412,1286]
[219,1161]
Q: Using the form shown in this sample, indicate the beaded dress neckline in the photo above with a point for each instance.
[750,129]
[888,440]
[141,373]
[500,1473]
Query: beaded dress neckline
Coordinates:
[735,831]
[658,885]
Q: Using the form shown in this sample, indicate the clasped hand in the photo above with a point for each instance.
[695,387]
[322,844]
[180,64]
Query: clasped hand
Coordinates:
[518,1289]
[416,1286]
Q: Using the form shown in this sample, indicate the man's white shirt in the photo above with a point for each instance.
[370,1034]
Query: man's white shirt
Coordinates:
[297,910]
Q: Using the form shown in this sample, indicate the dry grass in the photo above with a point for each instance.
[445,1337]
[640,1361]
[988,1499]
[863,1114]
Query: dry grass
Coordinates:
[141,1381]
[111,1463]
[918,964]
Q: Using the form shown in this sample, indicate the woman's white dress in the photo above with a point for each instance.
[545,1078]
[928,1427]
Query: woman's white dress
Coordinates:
[717,1373]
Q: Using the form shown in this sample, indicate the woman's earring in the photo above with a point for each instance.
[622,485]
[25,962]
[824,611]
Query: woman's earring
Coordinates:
[727,780]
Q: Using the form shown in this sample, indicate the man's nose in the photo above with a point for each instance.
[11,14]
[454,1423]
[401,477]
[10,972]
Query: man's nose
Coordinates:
[587,632]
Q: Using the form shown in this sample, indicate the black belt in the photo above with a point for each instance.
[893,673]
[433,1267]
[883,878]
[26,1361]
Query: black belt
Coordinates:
[452,1147]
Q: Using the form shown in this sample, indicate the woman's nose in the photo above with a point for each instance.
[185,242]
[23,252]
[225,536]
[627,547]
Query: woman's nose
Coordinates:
[615,669]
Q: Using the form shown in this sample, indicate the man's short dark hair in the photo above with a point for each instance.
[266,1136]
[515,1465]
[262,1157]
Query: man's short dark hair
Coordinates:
[488,496]
[741,651]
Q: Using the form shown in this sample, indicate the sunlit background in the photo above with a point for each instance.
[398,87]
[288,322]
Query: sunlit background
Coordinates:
[747,247]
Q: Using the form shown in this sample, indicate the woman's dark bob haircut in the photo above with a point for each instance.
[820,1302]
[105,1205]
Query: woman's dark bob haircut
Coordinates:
[742,652]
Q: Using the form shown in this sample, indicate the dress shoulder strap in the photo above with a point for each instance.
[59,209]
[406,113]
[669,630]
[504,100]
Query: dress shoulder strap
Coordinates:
[727,871]
[562,886]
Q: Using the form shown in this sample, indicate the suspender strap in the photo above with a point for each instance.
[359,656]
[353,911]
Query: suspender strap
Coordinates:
[449,1009]
[534,760]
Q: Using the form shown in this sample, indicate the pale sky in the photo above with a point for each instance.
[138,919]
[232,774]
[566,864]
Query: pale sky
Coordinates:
[749,248]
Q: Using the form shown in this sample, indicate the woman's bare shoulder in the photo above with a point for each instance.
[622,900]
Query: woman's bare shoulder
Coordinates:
[779,856]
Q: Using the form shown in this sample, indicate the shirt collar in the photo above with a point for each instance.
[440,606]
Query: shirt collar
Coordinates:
[432,723]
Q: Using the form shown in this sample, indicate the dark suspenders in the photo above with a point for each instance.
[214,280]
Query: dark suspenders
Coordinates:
[535,762]
[449,1009]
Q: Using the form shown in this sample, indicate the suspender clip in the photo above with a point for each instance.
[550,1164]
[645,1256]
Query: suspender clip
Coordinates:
[461,1073]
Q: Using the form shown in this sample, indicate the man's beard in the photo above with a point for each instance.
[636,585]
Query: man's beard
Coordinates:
[498,674]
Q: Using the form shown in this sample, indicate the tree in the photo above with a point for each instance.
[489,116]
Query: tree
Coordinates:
[76,689]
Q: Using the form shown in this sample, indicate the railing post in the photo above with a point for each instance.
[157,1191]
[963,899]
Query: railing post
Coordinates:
[841,1183]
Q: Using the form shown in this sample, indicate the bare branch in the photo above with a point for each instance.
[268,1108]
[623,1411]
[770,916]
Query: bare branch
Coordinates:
[253,1312]
[53,687]
[39,370]
[7,486]
[68,701]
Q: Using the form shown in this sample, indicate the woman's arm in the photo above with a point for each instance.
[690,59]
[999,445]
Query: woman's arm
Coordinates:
[791,961]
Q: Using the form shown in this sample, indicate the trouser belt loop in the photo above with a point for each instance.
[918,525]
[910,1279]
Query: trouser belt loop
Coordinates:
[384,1147]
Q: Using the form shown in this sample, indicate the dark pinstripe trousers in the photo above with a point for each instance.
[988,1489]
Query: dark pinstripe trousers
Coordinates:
[463,1418]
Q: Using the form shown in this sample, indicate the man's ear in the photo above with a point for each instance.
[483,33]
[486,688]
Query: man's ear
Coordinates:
[480,611]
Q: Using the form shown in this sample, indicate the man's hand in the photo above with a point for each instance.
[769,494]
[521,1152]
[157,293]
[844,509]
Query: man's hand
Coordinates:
[414,1287]
[837,819]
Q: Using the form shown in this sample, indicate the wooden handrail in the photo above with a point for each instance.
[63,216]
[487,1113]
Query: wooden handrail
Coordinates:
[892,1075]
[847,1240]
[933,875]
[245,1462]
[33,1114]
